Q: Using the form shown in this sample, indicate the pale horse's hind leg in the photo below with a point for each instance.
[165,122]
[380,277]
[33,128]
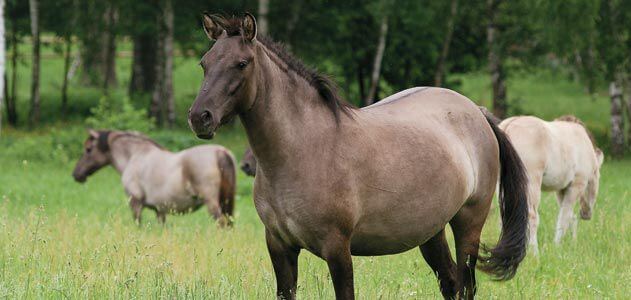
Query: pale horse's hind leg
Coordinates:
[534,198]
[210,195]
[567,198]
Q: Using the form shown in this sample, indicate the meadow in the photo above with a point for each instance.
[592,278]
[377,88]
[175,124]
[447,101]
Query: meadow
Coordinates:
[60,239]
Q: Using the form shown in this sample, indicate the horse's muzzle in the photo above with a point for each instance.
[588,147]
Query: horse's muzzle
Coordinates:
[202,123]
[79,178]
[248,169]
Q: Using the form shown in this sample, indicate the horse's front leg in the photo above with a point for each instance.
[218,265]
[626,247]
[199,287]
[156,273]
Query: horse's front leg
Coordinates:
[285,263]
[136,208]
[337,253]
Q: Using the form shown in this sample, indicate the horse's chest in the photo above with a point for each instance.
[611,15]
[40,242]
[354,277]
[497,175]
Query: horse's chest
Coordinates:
[287,218]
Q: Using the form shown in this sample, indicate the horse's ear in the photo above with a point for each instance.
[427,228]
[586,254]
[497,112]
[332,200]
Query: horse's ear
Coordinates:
[249,27]
[93,133]
[212,27]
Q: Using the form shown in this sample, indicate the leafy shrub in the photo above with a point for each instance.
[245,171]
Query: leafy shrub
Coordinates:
[118,114]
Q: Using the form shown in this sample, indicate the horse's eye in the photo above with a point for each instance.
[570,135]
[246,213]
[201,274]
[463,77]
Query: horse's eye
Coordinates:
[88,150]
[242,64]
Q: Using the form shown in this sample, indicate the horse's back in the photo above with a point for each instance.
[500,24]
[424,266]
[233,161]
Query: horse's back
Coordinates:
[201,163]
[457,123]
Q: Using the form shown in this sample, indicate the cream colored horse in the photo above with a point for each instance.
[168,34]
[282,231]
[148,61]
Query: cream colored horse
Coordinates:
[161,180]
[559,156]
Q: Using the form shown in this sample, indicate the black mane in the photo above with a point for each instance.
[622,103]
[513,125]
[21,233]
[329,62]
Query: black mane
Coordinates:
[322,83]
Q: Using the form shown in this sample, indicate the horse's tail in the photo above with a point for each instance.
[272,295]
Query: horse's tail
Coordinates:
[227,187]
[502,260]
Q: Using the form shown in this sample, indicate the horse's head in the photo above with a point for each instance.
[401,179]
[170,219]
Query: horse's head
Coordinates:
[589,198]
[95,155]
[248,163]
[229,74]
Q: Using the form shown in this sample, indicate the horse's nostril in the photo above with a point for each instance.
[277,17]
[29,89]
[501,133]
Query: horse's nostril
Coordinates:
[206,117]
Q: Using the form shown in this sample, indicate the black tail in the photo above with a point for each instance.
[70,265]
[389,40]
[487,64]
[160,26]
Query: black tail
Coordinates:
[502,260]
[228,182]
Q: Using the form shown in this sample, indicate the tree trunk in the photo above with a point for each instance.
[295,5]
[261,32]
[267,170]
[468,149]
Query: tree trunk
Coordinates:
[143,64]
[628,106]
[12,115]
[93,38]
[2,60]
[360,79]
[296,6]
[262,18]
[376,67]
[64,85]
[111,16]
[167,89]
[496,68]
[35,100]
[156,107]
[440,67]
[617,125]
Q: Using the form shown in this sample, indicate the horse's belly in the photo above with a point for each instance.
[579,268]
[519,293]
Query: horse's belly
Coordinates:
[556,179]
[397,232]
[369,244]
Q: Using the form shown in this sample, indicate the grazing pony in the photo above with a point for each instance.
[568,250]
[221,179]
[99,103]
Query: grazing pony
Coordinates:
[559,156]
[248,163]
[340,181]
[164,181]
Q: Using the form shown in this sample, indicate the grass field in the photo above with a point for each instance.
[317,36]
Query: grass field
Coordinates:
[60,239]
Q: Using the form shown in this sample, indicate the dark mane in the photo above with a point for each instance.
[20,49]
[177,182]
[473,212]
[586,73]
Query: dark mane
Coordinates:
[326,88]
[574,119]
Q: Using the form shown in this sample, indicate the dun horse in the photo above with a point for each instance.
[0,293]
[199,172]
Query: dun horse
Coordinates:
[164,181]
[559,156]
[340,181]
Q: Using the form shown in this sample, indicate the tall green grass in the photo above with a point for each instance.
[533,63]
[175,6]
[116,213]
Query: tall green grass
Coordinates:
[60,239]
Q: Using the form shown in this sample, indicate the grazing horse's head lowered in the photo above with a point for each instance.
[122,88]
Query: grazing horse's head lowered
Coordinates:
[228,85]
[95,155]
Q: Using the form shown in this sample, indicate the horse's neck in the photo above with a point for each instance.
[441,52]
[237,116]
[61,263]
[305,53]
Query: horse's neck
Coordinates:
[124,149]
[285,114]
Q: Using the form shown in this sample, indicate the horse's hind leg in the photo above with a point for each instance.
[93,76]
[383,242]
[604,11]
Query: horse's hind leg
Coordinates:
[534,197]
[567,198]
[211,199]
[438,257]
[467,227]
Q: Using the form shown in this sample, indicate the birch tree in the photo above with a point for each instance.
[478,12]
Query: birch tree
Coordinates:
[35,99]
[381,46]
[261,25]
[2,59]
[440,66]
[496,66]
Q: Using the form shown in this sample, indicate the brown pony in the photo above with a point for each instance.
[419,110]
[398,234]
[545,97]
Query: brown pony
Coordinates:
[164,181]
[340,181]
